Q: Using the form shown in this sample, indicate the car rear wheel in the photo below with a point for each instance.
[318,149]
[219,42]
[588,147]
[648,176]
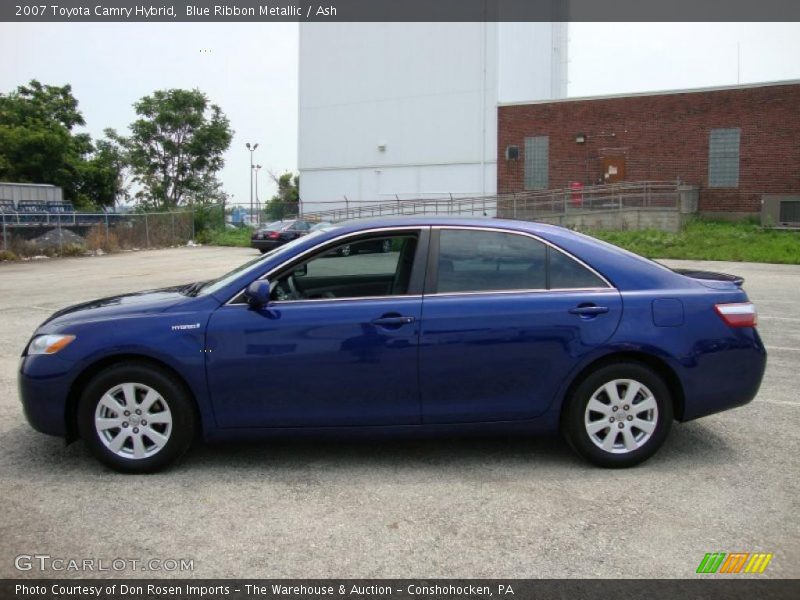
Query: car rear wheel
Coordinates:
[619,415]
[136,418]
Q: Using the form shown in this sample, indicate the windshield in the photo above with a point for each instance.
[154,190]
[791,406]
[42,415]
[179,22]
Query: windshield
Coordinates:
[252,265]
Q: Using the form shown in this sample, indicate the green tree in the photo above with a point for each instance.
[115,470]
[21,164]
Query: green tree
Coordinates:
[38,145]
[41,104]
[175,147]
[286,202]
[103,175]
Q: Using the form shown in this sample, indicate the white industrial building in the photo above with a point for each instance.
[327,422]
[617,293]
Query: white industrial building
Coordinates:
[409,110]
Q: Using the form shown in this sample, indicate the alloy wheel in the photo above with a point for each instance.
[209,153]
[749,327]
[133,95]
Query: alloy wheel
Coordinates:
[621,416]
[133,421]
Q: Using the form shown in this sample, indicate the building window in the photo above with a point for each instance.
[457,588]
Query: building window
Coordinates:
[537,162]
[723,157]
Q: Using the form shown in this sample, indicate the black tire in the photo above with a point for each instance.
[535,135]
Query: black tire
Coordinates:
[179,407]
[574,422]
[262,250]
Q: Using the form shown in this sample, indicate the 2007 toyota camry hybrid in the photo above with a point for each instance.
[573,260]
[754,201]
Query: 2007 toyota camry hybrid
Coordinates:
[463,325]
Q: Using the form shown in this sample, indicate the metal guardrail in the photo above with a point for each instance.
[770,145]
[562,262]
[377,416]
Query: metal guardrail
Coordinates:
[38,219]
[610,197]
[522,205]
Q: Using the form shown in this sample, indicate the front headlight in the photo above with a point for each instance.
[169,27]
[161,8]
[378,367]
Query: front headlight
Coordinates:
[49,344]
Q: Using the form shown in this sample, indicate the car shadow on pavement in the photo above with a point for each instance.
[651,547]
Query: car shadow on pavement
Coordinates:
[695,442]
[445,452]
[29,454]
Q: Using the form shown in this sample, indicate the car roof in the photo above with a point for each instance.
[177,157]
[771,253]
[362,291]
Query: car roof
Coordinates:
[532,227]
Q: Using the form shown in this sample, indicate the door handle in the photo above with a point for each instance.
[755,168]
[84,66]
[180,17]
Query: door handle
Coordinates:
[589,311]
[392,321]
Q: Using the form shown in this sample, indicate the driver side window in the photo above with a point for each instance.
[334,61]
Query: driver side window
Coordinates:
[365,267]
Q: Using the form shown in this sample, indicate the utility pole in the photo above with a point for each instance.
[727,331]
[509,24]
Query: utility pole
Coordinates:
[251,149]
[258,202]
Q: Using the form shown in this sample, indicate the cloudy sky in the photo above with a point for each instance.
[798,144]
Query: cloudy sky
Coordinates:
[250,70]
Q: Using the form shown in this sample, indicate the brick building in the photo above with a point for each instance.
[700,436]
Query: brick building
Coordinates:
[734,143]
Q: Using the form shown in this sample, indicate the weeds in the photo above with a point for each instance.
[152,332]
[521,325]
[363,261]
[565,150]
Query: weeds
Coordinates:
[703,239]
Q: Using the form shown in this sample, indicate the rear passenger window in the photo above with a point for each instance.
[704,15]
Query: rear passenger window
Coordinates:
[567,273]
[478,261]
[486,261]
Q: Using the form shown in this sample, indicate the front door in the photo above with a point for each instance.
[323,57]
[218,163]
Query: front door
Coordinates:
[336,347]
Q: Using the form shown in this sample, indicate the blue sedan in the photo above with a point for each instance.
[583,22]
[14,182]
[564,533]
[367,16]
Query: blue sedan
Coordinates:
[464,325]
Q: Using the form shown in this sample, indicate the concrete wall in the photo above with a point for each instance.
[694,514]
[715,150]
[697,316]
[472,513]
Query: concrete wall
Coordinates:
[620,220]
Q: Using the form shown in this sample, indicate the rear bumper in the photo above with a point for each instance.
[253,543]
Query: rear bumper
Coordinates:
[266,244]
[725,378]
[43,390]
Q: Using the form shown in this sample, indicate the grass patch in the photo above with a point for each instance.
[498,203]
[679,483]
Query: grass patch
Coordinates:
[712,240]
[226,237]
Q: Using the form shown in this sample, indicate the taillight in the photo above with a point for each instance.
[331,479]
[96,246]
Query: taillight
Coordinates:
[274,235]
[740,314]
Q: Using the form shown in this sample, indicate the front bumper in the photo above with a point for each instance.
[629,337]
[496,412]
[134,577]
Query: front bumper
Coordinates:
[43,390]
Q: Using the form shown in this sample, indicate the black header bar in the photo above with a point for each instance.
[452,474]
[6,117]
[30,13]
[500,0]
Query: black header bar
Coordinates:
[398,10]
[729,588]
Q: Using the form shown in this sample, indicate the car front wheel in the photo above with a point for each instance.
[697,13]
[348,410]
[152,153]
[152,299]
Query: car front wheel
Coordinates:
[136,418]
[619,415]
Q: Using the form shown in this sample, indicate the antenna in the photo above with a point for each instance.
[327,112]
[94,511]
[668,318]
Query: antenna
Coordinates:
[738,63]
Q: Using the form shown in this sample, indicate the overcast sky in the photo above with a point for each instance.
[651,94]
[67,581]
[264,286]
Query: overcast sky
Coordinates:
[250,70]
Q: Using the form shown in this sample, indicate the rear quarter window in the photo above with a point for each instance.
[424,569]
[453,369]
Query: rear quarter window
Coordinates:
[566,273]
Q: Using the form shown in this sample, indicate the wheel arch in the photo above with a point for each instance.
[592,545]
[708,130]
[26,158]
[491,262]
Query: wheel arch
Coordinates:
[88,373]
[656,363]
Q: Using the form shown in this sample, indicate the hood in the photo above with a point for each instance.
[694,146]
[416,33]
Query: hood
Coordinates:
[119,306]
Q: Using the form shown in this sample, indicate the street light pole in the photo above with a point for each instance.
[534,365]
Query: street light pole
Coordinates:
[251,149]
[258,202]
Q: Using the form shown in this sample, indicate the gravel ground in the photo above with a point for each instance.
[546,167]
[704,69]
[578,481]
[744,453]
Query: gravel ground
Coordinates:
[447,508]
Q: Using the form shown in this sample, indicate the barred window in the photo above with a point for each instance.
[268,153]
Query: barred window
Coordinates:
[723,157]
[537,162]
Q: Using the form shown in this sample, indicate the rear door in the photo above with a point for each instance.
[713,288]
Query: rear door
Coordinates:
[505,319]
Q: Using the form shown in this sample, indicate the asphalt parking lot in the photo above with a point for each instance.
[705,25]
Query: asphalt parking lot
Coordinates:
[443,508]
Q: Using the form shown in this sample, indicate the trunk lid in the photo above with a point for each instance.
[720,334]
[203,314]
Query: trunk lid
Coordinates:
[711,279]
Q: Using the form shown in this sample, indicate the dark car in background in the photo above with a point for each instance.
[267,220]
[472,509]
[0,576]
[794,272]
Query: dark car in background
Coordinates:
[269,237]
[363,246]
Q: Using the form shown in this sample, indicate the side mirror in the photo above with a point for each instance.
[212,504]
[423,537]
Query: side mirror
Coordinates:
[257,293]
[301,271]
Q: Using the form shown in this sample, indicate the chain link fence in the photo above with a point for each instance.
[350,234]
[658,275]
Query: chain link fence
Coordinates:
[77,234]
